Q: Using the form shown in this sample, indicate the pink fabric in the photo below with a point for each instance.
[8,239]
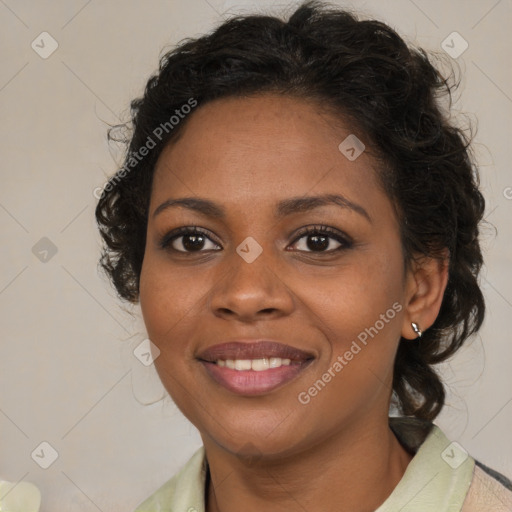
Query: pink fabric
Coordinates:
[486,494]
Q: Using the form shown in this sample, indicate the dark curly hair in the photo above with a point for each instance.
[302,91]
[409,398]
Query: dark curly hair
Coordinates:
[366,73]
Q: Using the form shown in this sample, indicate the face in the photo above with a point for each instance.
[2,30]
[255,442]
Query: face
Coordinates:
[322,281]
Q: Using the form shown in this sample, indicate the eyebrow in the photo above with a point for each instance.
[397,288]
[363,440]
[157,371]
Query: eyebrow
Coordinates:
[283,209]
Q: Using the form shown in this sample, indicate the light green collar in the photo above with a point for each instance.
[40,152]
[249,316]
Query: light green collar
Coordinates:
[439,475]
[437,478]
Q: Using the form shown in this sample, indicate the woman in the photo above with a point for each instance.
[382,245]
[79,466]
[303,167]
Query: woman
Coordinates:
[299,223]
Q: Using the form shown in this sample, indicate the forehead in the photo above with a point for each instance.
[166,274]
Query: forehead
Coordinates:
[261,149]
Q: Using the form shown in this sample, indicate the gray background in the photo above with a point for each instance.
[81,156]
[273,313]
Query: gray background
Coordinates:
[68,373]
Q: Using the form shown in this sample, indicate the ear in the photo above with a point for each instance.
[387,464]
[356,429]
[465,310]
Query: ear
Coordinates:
[425,285]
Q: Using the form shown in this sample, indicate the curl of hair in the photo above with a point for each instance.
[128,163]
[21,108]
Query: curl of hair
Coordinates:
[364,72]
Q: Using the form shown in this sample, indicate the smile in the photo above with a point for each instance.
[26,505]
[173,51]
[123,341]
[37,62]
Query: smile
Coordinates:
[253,382]
[258,365]
[253,368]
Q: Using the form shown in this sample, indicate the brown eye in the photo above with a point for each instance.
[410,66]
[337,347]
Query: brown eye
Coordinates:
[189,239]
[322,239]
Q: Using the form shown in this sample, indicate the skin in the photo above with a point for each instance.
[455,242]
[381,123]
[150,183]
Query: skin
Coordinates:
[273,452]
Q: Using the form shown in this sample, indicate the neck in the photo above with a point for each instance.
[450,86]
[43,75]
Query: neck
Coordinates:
[354,470]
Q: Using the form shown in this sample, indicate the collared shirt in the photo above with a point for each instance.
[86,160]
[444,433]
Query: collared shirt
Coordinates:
[441,477]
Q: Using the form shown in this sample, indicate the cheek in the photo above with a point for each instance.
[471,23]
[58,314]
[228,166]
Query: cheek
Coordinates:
[355,296]
[359,311]
[169,309]
[166,297]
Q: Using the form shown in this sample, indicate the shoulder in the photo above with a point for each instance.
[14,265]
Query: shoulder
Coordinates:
[184,491]
[489,490]
[442,476]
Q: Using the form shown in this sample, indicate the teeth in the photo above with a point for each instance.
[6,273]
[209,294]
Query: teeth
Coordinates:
[276,362]
[242,364]
[257,365]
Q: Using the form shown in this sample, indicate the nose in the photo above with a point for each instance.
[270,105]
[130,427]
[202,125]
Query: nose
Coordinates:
[251,291]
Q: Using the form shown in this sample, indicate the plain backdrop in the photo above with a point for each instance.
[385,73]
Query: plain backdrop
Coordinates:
[69,376]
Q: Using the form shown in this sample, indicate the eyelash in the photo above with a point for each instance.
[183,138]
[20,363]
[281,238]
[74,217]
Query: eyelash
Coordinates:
[341,238]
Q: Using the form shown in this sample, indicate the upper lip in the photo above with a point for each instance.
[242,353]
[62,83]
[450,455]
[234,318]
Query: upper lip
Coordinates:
[253,349]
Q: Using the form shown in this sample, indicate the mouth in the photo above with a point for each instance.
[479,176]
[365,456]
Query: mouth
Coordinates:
[254,368]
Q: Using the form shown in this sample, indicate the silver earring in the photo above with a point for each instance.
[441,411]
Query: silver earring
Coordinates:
[416,329]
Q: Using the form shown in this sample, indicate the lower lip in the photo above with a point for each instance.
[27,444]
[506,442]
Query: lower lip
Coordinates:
[250,382]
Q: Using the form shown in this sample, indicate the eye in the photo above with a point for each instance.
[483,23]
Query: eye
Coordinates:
[321,238]
[188,239]
[318,239]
